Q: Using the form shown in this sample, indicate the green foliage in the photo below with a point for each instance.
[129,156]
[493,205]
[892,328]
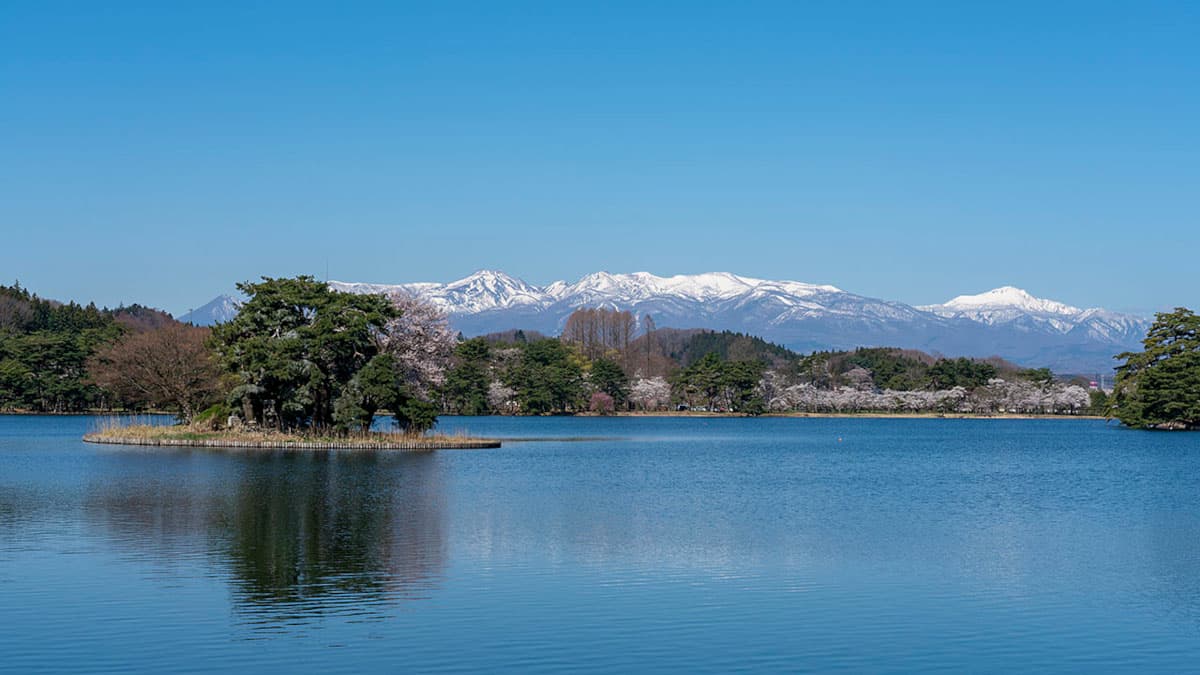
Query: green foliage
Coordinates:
[296,347]
[466,389]
[890,368]
[753,406]
[548,378]
[213,417]
[966,373]
[716,384]
[44,347]
[415,415]
[700,383]
[374,386]
[608,377]
[1159,388]
[820,369]
[740,380]
[896,369]
[1040,375]
[730,346]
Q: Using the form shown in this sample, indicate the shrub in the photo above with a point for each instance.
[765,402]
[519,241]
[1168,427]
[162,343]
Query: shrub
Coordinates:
[213,417]
[601,403]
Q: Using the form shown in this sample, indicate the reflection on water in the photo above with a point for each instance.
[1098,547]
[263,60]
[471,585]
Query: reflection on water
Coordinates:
[302,534]
[691,545]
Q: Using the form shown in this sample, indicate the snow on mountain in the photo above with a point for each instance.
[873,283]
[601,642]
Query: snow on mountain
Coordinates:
[1014,306]
[1006,321]
[483,291]
[218,310]
[1004,304]
[1103,325]
[488,291]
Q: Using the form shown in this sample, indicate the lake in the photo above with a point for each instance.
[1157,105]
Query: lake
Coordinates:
[609,544]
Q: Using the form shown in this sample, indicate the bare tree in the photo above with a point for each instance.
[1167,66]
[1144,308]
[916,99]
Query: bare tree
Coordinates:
[15,313]
[168,367]
[648,328]
[600,331]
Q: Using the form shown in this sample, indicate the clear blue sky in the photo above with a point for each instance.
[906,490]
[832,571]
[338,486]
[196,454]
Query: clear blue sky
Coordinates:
[159,152]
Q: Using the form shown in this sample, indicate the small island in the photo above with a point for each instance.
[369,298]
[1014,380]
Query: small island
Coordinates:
[179,436]
[300,367]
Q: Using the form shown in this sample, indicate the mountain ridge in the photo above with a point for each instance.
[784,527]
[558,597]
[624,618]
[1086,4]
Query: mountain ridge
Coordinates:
[1006,321]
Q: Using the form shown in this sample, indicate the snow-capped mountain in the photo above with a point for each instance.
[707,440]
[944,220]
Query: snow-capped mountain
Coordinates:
[1005,304]
[489,301]
[1020,310]
[481,292]
[1006,321]
[218,310]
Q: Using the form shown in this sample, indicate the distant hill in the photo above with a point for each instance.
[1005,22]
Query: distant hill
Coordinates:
[138,318]
[684,347]
[514,336]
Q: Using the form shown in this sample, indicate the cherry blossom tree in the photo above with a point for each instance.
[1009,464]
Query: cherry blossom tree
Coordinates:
[653,393]
[421,342]
[501,398]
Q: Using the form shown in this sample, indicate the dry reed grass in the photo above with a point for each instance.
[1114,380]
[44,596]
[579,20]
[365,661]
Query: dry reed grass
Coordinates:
[147,431]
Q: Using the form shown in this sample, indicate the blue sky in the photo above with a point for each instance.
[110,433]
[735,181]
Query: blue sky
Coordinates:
[159,152]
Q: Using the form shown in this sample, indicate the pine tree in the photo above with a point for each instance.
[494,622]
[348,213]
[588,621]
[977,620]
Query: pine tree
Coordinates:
[1159,388]
[607,376]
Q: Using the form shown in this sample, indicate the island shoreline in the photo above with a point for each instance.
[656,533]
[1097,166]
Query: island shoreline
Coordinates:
[411,445]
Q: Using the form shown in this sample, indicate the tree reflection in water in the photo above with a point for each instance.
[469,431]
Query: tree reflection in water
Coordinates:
[301,534]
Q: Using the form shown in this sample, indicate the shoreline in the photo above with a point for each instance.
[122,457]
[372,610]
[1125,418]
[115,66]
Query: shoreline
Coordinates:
[84,413]
[176,437]
[862,415]
[673,413]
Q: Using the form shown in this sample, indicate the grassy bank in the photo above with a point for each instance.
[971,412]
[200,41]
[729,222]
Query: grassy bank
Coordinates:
[185,436]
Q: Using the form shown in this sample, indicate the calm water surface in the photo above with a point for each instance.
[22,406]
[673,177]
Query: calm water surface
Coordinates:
[667,544]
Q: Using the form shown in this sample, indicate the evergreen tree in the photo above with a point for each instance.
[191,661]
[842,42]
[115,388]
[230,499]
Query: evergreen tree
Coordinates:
[718,384]
[961,372]
[295,346]
[467,381]
[548,378]
[373,387]
[607,376]
[890,368]
[740,379]
[700,383]
[415,415]
[44,347]
[1159,388]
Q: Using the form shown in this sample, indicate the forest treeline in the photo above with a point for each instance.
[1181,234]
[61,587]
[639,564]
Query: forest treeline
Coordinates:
[300,354]
[601,371]
[46,349]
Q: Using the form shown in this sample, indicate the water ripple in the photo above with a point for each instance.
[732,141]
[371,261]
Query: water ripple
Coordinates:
[610,545]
